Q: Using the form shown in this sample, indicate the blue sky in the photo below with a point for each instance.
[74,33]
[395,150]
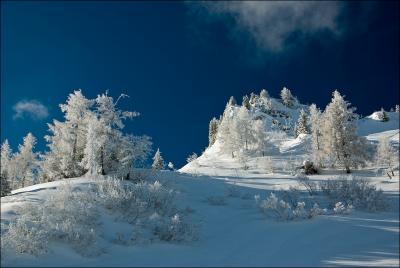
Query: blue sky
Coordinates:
[180,62]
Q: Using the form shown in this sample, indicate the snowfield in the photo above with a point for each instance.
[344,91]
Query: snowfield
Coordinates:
[232,232]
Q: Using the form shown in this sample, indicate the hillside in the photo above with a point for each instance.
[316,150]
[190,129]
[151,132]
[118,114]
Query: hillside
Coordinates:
[230,229]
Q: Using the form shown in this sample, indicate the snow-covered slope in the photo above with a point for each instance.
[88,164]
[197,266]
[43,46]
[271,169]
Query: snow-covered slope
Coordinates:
[232,232]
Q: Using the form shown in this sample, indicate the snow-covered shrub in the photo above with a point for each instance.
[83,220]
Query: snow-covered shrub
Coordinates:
[354,191]
[172,229]
[68,215]
[275,208]
[341,208]
[279,209]
[310,186]
[72,215]
[291,195]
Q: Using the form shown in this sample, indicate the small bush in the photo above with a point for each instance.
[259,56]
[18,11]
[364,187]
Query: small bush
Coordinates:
[355,192]
[310,186]
[72,215]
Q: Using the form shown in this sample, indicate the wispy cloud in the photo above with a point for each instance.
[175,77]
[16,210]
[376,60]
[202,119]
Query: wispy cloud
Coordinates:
[30,108]
[270,24]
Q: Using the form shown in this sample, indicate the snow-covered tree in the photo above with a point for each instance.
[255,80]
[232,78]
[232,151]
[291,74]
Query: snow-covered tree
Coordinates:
[191,157]
[302,124]
[246,102]
[260,136]
[397,108]
[171,166]
[382,115]
[243,127]
[232,101]
[264,94]
[287,97]
[5,188]
[387,156]
[104,155]
[341,145]
[67,140]
[26,161]
[253,99]
[316,151]
[158,162]
[6,157]
[212,131]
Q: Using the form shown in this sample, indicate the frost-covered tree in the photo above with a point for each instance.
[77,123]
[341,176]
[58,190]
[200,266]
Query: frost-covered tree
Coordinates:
[232,101]
[243,128]
[253,99]
[6,158]
[104,156]
[287,97]
[316,151]
[397,108]
[212,131]
[264,94]
[341,144]
[387,156]
[302,124]
[382,115]
[191,157]
[26,161]
[171,166]
[158,161]
[5,188]
[260,136]
[246,102]
[67,140]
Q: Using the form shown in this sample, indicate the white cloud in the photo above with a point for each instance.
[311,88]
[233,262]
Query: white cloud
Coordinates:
[271,23]
[32,108]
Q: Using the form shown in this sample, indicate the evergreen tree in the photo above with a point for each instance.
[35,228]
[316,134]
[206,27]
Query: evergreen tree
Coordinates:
[341,144]
[67,140]
[246,102]
[212,131]
[302,124]
[253,99]
[158,162]
[287,97]
[6,158]
[26,161]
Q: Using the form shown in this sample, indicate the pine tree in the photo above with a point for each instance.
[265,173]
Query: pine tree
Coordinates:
[26,161]
[67,140]
[253,99]
[287,97]
[342,146]
[316,136]
[246,102]
[212,131]
[232,101]
[158,162]
[382,115]
[302,124]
